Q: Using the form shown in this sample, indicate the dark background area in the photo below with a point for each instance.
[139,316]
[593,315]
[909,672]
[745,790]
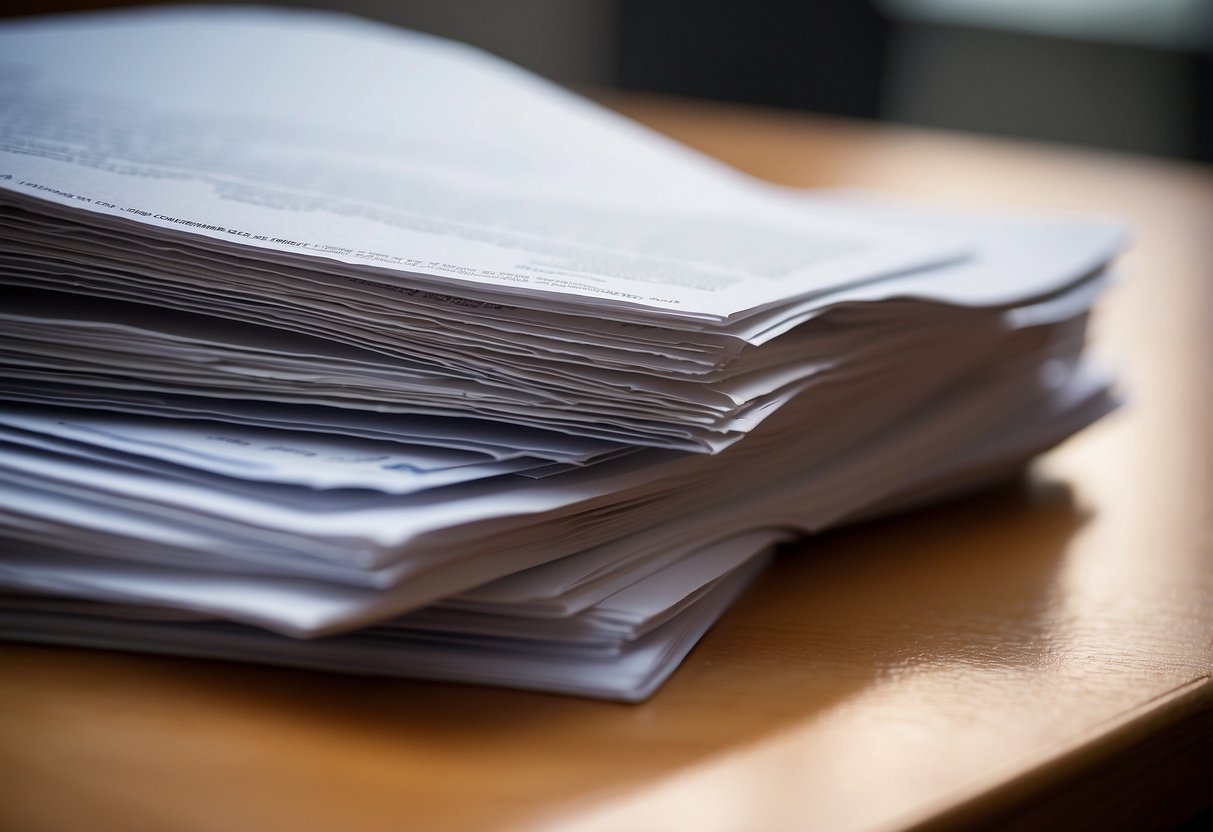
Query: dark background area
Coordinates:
[1132,75]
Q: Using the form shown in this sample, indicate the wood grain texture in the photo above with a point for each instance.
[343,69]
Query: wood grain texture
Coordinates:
[1002,659]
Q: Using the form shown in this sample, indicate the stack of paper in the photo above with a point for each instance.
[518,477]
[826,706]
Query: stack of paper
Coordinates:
[330,345]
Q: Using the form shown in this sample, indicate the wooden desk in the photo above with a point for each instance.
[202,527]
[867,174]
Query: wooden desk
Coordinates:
[1041,652]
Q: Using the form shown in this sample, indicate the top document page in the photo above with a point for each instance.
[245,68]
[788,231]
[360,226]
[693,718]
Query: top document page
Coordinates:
[325,142]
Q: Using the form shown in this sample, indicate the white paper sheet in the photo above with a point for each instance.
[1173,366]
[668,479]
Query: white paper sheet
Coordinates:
[294,166]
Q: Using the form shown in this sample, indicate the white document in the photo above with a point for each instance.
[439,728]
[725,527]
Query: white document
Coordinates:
[630,674]
[315,328]
[308,608]
[448,168]
[263,455]
[496,439]
[970,440]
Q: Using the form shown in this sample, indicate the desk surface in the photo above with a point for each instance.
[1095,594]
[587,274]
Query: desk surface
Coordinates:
[1043,650]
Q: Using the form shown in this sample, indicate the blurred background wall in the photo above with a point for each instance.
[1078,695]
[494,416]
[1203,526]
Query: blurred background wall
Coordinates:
[1133,75]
